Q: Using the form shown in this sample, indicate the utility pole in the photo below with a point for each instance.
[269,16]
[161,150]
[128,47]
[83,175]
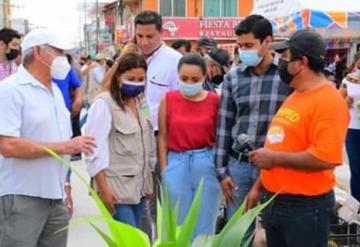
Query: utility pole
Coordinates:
[121,11]
[97,26]
[85,30]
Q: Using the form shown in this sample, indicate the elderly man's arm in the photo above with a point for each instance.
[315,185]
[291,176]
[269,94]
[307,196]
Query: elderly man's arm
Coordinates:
[21,148]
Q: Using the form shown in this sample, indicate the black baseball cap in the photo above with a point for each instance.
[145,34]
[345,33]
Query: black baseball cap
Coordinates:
[207,42]
[307,42]
[221,57]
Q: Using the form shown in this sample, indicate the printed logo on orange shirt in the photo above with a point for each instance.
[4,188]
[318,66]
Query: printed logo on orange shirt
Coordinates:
[288,114]
[275,134]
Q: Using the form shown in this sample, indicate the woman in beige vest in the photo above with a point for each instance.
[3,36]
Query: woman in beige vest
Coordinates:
[119,121]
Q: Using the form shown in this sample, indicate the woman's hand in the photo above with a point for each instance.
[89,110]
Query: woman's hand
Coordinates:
[109,199]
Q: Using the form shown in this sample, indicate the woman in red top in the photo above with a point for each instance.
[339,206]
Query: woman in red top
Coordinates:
[187,125]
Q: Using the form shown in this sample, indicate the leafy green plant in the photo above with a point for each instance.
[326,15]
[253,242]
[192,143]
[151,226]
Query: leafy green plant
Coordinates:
[169,233]
[120,234]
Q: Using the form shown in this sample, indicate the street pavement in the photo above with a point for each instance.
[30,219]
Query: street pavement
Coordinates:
[85,236]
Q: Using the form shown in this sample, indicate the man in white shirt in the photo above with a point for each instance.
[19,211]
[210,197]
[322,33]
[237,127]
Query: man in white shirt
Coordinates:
[162,76]
[162,60]
[96,75]
[34,115]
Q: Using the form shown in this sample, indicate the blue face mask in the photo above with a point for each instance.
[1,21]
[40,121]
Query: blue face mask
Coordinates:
[190,89]
[249,57]
[358,72]
[132,89]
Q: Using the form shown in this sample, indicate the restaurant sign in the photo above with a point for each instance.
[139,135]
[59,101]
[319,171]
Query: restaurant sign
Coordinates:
[195,27]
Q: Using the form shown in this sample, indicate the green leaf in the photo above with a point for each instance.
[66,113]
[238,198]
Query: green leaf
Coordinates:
[106,237]
[230,224]
[203,241]
[188,227]
[169,222]
[234,236]
[159,219]
[116,228]
[81,221]
[134,236]
[248,241]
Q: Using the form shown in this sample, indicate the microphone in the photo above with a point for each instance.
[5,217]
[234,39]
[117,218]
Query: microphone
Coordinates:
[244,142]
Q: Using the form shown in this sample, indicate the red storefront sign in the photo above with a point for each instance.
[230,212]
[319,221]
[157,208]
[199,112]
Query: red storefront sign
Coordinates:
[195,27]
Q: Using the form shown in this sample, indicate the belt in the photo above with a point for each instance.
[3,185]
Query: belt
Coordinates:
[242,157]
[290,198]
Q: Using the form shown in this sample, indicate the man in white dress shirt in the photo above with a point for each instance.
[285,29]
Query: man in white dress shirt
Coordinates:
[33,115]
[162,75]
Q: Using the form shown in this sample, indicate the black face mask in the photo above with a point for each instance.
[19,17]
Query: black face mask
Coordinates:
[217,79]
[12,54]
[285,76]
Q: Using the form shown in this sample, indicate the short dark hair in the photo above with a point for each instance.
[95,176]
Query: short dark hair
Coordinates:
[180,43]
[259,26]
[193,59]
[149,17]
[315,65]
[126,62]
[8,34]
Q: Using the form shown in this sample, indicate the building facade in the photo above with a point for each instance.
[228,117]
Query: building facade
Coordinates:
[186,19]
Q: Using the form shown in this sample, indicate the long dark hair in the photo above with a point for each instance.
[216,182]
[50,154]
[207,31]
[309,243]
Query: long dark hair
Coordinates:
[127,62]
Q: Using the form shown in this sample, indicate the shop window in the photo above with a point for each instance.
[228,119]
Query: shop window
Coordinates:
[220,8]
[172,7]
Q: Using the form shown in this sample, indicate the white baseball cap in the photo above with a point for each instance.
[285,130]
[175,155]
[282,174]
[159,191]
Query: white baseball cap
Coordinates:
[44,37]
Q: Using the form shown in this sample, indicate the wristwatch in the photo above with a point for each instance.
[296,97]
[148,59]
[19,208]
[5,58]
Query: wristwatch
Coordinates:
[67,184]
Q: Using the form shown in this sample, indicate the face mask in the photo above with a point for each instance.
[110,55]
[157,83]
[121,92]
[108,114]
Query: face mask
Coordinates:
[218,79]
[358,72]
[132,89]
[190,89]
[12,54]
[250,57]
[59,68]
[285,76]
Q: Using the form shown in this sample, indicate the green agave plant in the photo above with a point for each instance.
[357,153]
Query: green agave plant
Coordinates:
[169,233]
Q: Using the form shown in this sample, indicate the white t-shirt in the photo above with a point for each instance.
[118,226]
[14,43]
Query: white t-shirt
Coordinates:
[353,91]
[162,76]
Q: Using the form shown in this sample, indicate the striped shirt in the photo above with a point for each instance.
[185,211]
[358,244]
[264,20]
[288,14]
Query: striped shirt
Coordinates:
[248,103]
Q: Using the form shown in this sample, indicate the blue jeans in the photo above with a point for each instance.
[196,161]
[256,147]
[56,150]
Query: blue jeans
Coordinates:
[244,175]
[298,221]
[353,151]
[130,213]
[182,177]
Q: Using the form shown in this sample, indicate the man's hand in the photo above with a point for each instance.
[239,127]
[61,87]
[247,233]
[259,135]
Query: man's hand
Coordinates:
[76,107]
[109,199]
[228,186]
[253,198]
[68,200]
[81,144]
[262,158]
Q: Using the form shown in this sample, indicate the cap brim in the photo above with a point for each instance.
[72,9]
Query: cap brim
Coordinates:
[62,46]
[279,46]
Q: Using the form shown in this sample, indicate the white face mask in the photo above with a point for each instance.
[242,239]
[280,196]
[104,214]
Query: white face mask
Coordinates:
[59,68]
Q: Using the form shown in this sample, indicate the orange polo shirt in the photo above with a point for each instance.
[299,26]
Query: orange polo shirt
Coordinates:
[315,121]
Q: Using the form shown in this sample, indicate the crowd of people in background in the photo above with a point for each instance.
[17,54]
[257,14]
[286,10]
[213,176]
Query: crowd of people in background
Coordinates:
[261,121]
